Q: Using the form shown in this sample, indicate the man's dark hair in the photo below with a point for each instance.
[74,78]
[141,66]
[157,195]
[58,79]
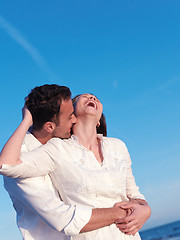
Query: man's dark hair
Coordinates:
[44,103]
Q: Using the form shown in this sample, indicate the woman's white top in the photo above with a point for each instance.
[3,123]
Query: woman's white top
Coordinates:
[81,179]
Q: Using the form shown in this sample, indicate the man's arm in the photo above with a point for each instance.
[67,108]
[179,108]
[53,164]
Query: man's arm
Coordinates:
[37,196]
[103,217]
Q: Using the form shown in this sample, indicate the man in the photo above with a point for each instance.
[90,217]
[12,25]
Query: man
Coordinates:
[40,213]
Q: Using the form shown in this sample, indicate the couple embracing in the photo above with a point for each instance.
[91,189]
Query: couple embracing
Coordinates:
[66,179]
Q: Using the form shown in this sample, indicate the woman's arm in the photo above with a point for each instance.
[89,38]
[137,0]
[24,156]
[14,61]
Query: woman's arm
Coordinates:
[139,210]
[35,163]
[11,150]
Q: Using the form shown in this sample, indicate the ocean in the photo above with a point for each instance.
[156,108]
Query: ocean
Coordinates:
[170,231]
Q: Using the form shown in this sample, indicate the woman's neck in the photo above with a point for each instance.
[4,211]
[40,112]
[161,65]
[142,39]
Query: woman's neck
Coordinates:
[86,133]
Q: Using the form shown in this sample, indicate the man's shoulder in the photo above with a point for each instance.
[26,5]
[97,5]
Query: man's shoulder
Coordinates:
[29,143]
[59,141]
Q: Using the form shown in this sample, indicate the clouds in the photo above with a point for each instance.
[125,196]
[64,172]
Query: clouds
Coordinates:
[172,83]
[27,46]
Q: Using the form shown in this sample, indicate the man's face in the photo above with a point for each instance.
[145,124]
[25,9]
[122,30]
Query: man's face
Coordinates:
[66,119]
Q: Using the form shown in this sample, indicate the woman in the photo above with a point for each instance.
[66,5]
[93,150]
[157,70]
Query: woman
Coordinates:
[88,169]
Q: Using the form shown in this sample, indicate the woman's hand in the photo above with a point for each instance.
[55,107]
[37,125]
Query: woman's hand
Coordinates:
[26,115]
[11,150]
[137,215]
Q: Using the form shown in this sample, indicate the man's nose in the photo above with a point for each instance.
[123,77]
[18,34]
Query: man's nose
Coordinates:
[74,119]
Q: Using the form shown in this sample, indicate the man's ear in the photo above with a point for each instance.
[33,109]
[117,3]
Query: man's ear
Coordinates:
[49,126]
[98,124]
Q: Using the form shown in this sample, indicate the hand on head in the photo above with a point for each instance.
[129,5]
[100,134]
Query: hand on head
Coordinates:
[26,115]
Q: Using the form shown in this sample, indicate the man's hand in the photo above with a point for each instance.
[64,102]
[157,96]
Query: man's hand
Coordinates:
[137,214]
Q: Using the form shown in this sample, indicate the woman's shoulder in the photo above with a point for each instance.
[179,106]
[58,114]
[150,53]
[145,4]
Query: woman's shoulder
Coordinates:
[115,145]
[113,141]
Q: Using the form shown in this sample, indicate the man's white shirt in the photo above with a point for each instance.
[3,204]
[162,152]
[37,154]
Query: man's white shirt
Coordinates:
[40,212]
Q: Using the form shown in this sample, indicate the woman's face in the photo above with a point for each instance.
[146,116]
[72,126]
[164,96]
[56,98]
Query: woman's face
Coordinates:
[88,104]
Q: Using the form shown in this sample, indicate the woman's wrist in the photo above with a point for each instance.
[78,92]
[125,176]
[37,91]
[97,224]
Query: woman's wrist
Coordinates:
[27,117]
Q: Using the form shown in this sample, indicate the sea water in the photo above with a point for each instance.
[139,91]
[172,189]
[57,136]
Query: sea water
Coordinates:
[169,231]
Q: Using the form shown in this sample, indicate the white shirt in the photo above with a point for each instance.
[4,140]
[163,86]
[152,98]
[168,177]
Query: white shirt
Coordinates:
[40,212]
[81,179]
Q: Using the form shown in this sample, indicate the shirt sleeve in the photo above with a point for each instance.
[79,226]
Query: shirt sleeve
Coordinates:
[36,195]
[38,162]
[132,190]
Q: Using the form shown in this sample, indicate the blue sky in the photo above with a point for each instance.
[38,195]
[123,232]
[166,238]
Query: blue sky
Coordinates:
[126,52]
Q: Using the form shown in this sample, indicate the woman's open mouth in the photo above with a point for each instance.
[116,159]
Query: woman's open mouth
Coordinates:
[91,104]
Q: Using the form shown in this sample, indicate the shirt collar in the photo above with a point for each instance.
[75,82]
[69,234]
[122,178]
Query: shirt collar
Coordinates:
[73,137]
